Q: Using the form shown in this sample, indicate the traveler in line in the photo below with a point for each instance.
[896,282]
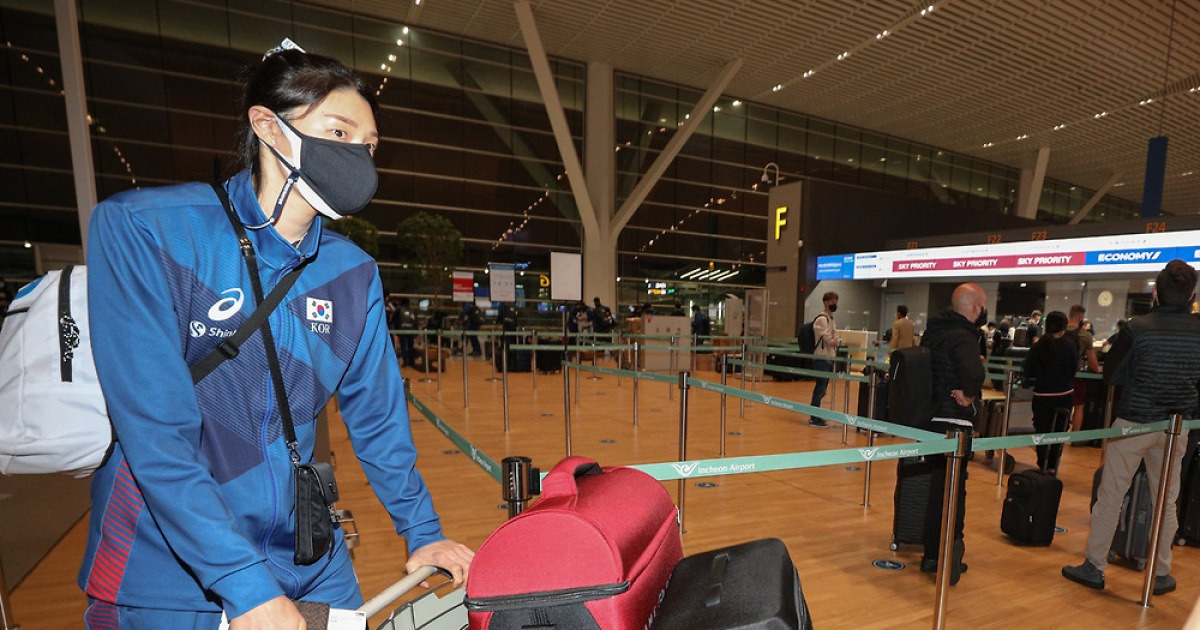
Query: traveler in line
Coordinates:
[953,337]
[1086,362]
[404,319]
[1157,359]
[192,513]
[903,331]
[1050,366]
[701,325]
[825,333]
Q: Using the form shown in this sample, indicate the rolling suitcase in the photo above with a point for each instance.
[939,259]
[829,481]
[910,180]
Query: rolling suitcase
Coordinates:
[881,398]
[913,478]
[1031,504]
[1131,541]
[1189,499]
[746,586]
[784,360]
[593,553]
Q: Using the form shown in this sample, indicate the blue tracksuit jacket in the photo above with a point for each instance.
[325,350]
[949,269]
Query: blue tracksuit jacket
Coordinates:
[193,510]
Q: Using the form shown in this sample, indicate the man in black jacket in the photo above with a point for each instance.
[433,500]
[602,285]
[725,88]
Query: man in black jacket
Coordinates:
[1156,359]
[953,337]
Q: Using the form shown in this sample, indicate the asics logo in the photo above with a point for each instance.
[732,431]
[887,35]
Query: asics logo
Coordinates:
[226,307]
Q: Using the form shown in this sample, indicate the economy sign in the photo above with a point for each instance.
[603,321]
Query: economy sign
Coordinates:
[1137,253]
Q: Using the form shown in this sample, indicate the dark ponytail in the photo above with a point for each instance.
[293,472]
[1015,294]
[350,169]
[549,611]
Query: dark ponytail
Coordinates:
[286,80]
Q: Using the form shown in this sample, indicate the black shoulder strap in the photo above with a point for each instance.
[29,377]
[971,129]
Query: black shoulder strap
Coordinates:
[257,321]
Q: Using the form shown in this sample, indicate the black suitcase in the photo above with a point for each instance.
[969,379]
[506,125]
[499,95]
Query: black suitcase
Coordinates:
[518,360]
[910,389]
[881,399]
[1131,541]
[1031,504]
[549,361]
[784,360]
[914,476]
[1189,498]
[746,586]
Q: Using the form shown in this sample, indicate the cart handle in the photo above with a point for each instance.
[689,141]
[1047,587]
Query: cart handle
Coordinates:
[393,592]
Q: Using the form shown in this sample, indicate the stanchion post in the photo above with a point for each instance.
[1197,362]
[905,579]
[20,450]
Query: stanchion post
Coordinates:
[518,472]
[871,385]
[834,380]
[1160,505]
[492,360]
[441,367]
[695,344]
[466,396]
[683,419]
[672,360]
[577,359]
[724,384]
[950,509]
[533,359]
[504,375]
[1108,417]
[595,375]
[1000,454]
[566,372]
[425,356]
[636,347]
[6,614]
[742,413]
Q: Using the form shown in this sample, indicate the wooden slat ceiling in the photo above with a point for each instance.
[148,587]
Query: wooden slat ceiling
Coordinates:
[969,73]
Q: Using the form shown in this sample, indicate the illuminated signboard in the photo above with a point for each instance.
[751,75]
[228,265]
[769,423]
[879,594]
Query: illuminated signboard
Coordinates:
[1137,253]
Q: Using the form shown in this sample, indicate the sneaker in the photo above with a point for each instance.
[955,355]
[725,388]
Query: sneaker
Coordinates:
[1163,584]
[817,422]
[1088,575]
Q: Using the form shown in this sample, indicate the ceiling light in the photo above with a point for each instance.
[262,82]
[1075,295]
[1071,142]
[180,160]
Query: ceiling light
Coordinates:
[1146,101]
[1022,136]
[391,57]
[778,86]
[716,108]
[988,145]
[404,30]
[1059,127]
[736,103]
[1100,115]
[809,73]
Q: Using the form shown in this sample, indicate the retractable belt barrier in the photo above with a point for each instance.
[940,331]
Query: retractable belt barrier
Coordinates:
[927,442]
[481,459]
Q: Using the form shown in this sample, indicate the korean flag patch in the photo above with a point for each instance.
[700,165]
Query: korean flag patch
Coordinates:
[320,310]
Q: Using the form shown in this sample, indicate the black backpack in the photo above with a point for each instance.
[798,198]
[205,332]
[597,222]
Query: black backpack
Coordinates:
[910,388]
[808,336]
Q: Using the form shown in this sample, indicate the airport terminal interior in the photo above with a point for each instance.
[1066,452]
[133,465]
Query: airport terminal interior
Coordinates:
[621,191]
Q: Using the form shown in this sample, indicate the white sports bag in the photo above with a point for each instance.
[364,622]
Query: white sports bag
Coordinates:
[53,417]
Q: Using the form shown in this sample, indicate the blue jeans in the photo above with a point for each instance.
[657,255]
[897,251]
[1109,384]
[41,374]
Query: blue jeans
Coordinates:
[822,384]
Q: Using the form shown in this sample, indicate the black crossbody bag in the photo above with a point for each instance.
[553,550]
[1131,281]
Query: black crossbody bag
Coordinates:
[316,489]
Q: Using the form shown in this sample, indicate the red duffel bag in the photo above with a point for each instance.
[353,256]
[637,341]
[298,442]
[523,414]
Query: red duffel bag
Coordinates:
[595,552]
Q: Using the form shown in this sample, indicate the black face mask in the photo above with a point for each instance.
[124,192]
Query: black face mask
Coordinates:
[982,319]
[833,307]
[336,178]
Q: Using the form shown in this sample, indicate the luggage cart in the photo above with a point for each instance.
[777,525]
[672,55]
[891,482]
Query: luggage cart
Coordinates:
[427,612]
